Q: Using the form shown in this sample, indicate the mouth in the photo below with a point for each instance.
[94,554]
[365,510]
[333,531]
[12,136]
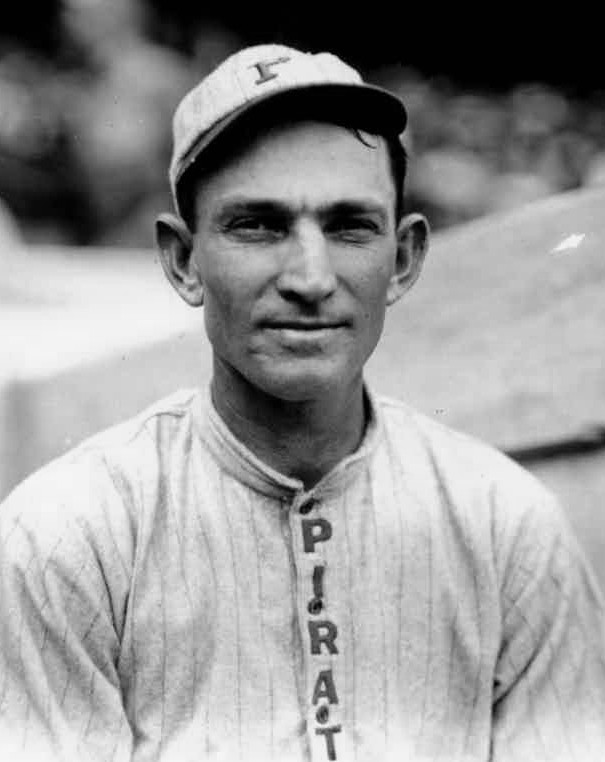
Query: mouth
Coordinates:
[305,335]
[304,325]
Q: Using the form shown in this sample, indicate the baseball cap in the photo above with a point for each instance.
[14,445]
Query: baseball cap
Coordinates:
[282,77]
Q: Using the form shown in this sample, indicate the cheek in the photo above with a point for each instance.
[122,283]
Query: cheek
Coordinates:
[372,286]
[220,314]
[230,293]
[220,304]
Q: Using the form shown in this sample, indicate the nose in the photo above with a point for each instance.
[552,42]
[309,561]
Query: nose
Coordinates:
[307,274]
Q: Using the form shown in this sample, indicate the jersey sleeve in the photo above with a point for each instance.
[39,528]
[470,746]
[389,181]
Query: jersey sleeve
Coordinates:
[60,694]
[549,689]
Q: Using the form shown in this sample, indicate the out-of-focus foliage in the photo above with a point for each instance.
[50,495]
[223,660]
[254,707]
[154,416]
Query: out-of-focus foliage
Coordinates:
[85,127]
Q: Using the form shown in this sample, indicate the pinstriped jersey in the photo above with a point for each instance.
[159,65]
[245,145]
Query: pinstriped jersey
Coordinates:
[166,595]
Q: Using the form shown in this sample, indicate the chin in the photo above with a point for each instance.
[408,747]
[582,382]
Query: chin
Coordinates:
[297,385]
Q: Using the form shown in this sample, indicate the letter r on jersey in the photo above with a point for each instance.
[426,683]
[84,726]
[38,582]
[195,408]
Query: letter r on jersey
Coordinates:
[323,633]
[264,70]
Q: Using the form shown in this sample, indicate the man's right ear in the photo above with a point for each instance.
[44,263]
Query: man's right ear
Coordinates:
[175,245]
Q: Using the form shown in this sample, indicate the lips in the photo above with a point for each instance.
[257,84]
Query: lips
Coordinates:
[306,325]
[304,322]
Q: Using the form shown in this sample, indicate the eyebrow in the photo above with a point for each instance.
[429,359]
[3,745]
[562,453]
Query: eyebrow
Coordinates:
[274,207]
[356,207]
[236,207]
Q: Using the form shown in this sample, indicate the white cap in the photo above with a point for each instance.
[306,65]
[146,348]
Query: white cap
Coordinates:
[278,74]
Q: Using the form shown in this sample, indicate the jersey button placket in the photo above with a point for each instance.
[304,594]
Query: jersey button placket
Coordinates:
[307,506]
[322,631]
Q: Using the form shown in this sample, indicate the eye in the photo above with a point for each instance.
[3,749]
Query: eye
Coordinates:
[255,227]
[248,223]
[353,228]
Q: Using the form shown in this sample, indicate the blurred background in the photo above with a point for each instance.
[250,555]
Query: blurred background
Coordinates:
[503,110]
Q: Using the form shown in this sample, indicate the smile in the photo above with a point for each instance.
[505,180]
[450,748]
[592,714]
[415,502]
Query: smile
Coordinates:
[304,336]
[304,326]
[307,324]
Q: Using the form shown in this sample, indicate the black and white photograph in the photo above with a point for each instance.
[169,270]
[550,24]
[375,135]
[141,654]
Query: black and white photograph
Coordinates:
[302,384]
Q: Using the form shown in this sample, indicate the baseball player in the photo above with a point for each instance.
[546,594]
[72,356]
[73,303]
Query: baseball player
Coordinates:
[287,566]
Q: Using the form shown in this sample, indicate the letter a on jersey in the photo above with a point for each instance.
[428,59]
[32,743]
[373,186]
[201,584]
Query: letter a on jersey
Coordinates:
[325,688]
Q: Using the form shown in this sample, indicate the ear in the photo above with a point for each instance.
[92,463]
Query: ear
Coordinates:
[175,244]
[412,245]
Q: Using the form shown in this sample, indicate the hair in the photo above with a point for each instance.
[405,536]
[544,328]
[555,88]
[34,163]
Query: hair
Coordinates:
[398,162]
[234,138]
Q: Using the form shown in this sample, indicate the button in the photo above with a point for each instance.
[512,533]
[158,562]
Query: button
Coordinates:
[308,506]
[315,606]
[323,714]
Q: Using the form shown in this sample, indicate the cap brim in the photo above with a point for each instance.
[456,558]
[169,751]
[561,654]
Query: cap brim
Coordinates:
[361,106]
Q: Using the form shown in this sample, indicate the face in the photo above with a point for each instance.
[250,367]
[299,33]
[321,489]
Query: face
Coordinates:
[296,251]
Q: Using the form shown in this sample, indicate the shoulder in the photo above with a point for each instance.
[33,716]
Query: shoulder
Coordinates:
[461,456]
[158,422]
[479,486]
[96,487]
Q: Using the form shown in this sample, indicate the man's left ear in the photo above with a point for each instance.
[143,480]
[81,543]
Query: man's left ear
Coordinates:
[412,245]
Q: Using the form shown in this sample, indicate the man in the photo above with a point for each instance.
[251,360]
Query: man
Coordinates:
[287,566]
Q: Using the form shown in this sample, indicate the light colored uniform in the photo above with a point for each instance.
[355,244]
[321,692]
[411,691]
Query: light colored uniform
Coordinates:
[165,595]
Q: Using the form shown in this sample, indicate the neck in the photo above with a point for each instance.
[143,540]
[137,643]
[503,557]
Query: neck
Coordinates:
[301,439]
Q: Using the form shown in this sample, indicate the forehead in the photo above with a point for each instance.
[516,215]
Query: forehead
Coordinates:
[304,163]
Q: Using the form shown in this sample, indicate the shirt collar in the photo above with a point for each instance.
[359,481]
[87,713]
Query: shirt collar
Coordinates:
[241,463]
